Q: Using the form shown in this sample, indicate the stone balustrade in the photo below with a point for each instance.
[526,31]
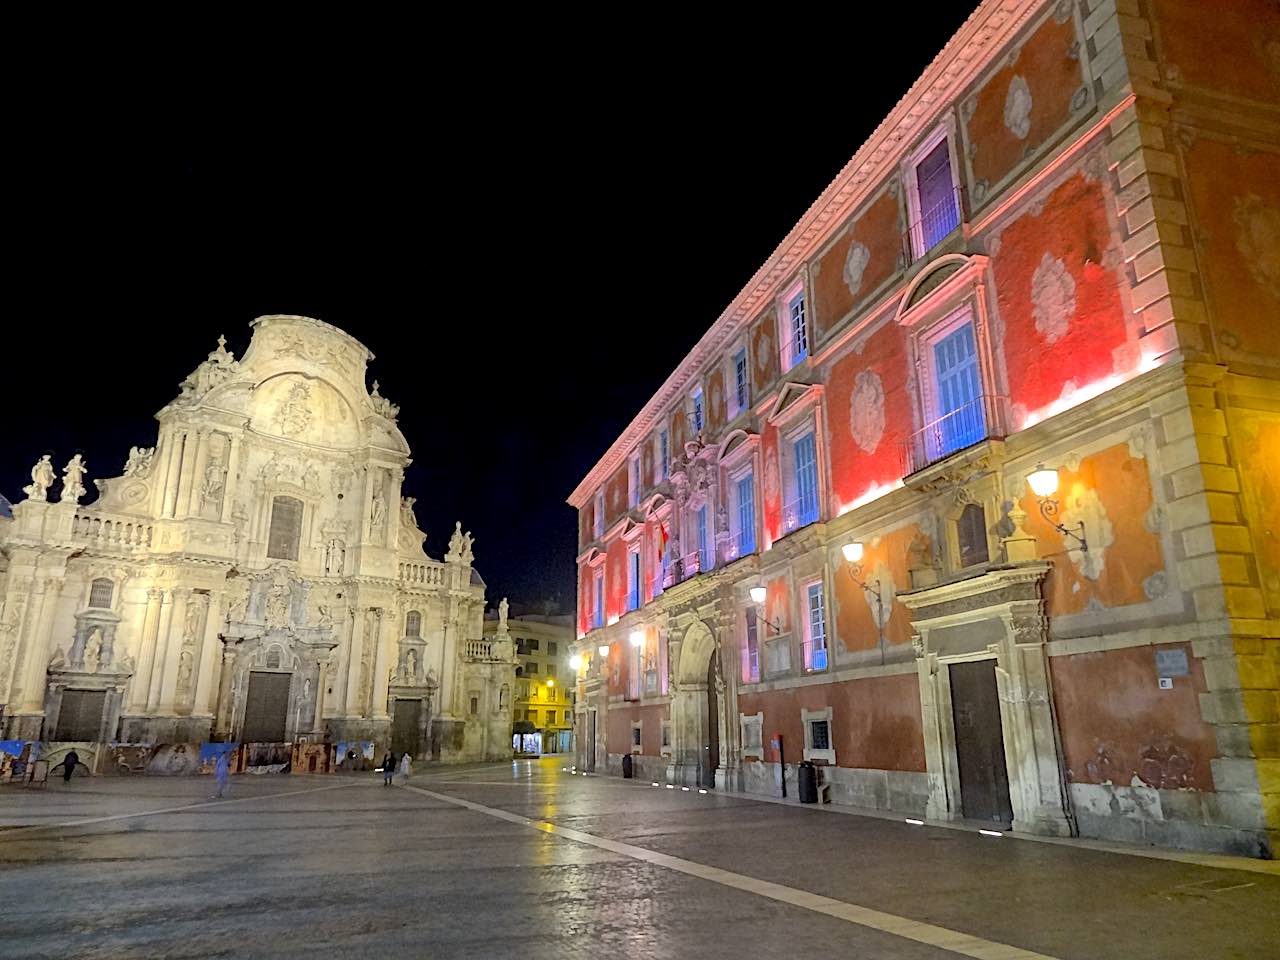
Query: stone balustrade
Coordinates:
[479,650]
[425,574]
[112,532]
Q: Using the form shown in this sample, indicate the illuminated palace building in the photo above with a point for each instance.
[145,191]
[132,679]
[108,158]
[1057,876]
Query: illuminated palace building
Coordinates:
[970,496]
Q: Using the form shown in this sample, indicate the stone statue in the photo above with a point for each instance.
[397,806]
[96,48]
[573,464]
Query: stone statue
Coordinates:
[468,554]
[503,607]
[73,480]
[42,477]
[454,554]
[379,514]
[139,462]
[184,671]
[93,651]
[211,491]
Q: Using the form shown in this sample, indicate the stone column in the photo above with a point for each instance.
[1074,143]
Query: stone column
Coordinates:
[225,721]
[186,478]
[146,653]
[355,648]
[161,648]
[35,652]
[378,709]
[207,672]
[233,464]
[195,500]
[173,461]
[175,637]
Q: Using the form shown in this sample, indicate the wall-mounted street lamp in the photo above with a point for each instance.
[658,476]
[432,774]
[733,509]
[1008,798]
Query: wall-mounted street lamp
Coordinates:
[853,563]
[603,650]
[637,638]
[758,595]
[551,682]
[1044,484]
[575,662]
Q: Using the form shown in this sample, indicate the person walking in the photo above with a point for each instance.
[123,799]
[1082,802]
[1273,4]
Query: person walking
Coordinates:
[388,768]
[405,768]
[69,765]
[222,774]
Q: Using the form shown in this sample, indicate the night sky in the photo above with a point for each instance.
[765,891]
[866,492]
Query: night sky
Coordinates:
[527,263]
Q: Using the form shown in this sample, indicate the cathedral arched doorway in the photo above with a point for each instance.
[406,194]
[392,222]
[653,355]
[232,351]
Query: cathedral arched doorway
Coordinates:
[697,708]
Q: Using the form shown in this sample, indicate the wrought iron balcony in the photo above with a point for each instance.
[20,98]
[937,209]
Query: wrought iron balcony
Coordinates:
[798,513]
[975,421]
[932,226]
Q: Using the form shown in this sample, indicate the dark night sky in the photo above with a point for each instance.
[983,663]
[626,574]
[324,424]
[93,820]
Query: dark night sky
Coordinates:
[528,260]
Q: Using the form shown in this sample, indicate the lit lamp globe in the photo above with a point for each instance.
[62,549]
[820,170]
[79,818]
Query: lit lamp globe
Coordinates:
[603,649]
[575,662]
[637,638]
[550,682]
[852,552]
[758,594]
[1043,481]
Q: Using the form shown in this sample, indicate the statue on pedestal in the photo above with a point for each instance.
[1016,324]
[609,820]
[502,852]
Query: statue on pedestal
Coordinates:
[503,607]
[42,477]
[73,480]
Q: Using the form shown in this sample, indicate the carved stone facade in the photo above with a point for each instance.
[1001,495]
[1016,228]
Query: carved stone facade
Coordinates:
[254,572]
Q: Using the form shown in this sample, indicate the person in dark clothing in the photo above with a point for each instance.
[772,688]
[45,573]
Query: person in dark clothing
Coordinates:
[69,765]
[388,768]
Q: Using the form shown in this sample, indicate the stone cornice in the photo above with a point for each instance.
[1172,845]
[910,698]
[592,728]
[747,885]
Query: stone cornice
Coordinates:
[977,43]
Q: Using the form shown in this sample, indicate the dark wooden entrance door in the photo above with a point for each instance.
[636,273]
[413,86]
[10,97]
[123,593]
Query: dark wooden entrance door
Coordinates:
[711,749]
[80,715]
[406,727]
[589,761]
[266,708]
[984,780]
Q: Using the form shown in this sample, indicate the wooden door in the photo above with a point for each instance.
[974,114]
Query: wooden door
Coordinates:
[975,705]
[266,708]
[405,727]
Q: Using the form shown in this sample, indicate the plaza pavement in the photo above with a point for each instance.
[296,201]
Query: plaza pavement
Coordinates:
[529,860]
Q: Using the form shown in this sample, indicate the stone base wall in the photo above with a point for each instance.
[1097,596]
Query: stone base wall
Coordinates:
[165,729]
[900,791]
[1186,819]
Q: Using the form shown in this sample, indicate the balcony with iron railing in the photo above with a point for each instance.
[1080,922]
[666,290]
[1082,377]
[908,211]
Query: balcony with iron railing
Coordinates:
[980,419]
[932,226]
[798,513]
[814,654]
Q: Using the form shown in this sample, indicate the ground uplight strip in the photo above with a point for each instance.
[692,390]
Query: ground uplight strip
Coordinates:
[962,944]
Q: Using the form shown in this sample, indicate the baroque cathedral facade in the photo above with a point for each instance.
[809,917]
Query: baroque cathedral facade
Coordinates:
[254,576]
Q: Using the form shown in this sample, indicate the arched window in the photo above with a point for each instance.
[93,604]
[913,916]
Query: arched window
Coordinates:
[971,532]
[286,528]
[413,624]
[100,593]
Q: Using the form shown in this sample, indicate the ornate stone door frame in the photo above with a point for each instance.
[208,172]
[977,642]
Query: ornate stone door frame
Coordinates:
[692,655]
[997,615]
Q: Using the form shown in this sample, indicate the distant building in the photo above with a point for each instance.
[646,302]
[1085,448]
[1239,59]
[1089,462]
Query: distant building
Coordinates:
[544,684]
[254,576]
[970,495]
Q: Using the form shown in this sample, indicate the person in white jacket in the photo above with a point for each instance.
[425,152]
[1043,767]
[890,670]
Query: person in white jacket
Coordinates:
[405,768]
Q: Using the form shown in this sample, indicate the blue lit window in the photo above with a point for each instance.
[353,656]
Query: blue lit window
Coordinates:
[698,418]
[633,580]
[798,347]
[815,641]
[746,515]
[961,421]
[804,508]
[704,542]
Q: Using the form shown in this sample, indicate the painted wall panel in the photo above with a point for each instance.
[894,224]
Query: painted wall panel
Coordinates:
[1061,319]
[772,485]
[715,400]
[1233,51]
[1118,725]
[1236,198]
[1025,103]
[861,259]
[615,581]
[764,351]
[615,496]
[885,559]
[1256,443]
[869,415]
[1111,492]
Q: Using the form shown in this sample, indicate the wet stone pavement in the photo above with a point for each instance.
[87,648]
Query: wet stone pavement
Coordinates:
[527,860]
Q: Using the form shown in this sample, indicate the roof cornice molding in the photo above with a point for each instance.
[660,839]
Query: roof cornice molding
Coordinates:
[975,45]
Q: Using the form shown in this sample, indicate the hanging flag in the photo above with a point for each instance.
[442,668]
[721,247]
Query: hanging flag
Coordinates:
[662,537]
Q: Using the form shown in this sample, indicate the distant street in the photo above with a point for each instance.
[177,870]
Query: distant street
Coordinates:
[525,860]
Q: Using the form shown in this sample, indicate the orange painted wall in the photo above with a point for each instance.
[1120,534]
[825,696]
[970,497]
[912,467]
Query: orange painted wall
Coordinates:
[1059,250]
[619,730]
[777,607]
[877,375]
[1232,51]
[1129,552]
[764,351]
[876,721]
[1255,439]
[1236,198]
[887,559]
[878,228]
[1117,723]
[1051,71]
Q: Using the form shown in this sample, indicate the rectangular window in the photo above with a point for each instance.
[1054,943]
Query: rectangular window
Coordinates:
[551,648]
[635,734]
[802,509]
[533,717]
[751,648]
[633,480]
[961,420]
[633,579]
[741,390]
[815,628]
[597,612]
[531,668]
[820,735]
[704,541]
[664,455]
[797,336]
[286,528]
[744,515]
[551,670]
[698,415]
[597,515]
[935,211]
[551,718]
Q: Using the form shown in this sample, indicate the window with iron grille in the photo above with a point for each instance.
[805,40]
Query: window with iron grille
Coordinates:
[820,734]
[101,591]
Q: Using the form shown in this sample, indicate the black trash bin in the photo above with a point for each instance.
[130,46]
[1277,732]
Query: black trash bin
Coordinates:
[626,766]
[807,781]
